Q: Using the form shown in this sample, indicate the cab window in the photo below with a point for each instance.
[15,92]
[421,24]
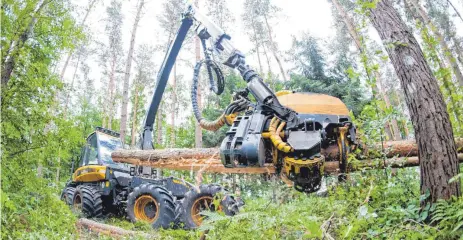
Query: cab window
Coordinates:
[91,151]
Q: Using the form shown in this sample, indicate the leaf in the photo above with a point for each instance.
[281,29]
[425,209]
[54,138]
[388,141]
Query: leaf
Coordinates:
[456,177]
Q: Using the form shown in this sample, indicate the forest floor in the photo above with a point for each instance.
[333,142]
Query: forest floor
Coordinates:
[371,205]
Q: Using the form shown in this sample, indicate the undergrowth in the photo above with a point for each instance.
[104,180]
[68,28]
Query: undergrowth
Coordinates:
[370,205]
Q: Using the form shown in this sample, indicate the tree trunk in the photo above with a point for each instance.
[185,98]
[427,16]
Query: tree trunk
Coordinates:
[273,48]
[128,66]
[456,45]
[436,146]
[349,23]
[68,58]
[455,9]
[109,230]
[447,53]
[68,94]
[134,119]
[159,125]
[208,160]
[394,133]
[257,50]
[111,103]
[395,126]
[174,107]
[198,130]
[10,60]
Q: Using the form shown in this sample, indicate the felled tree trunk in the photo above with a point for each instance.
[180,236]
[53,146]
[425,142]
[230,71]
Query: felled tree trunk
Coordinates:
[208,159]
[195,159]
[105,229]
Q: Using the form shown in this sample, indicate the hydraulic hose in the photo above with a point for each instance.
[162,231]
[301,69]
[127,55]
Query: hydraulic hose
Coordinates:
[228,116]
[274,130]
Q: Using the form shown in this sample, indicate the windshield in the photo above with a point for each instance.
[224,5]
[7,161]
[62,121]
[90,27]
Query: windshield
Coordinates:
[108,144]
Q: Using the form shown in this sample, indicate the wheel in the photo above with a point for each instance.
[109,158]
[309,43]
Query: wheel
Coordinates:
[67,195]
[87,200]
[152,204]
[343,155]
[196,202]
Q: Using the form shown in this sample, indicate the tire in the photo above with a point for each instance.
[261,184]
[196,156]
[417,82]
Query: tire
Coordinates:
[67,195]
[152,204]
[87,199]
[194,202]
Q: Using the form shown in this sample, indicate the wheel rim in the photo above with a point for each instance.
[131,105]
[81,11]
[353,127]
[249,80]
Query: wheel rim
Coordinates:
[146,208]
[202,204]
[343,146]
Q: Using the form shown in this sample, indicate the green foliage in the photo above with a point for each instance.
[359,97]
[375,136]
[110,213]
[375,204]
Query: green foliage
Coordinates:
[215,105]
[316,76]
[370,205]
[37,140]
[449,216]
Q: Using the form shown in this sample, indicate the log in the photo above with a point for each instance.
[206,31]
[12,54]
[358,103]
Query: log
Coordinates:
[408,148]
[208,159]
[400,162]
[109,230]
[186,159]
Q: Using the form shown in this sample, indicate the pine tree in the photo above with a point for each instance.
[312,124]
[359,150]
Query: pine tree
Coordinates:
[128,66]
[113,56]
[434,136]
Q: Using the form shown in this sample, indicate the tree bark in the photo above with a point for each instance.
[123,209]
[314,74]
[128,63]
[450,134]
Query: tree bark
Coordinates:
[128,66]
[447,53]
[68,58]
[436,146]
[112,231]
[273,48]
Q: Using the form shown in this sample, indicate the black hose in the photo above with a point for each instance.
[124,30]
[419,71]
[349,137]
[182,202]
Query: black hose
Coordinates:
[209,64]
[213,67]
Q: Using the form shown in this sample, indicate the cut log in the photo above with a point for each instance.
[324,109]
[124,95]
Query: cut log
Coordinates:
[109,230]
[137,157]
[400,162]
[208,159]
[409,148]
[187,159]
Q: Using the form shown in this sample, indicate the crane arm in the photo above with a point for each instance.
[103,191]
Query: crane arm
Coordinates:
[233,58]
